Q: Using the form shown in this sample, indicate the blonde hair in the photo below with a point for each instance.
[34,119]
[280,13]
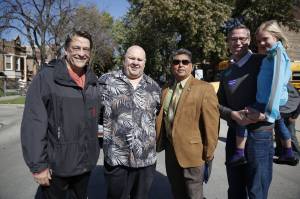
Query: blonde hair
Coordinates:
[273,28]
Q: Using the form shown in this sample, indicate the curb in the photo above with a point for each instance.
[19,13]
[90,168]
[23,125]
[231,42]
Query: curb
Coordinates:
[16,105]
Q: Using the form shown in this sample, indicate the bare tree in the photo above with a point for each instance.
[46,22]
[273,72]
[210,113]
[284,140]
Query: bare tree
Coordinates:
[61,25]
[42,22]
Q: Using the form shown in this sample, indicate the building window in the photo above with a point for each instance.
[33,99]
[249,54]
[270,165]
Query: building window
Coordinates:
[18,65]
[8,62]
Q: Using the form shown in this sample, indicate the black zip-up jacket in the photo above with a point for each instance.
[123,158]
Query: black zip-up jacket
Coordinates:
[291,108]
[59,123]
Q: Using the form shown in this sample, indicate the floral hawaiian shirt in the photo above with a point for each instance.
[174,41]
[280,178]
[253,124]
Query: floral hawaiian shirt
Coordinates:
[129,120]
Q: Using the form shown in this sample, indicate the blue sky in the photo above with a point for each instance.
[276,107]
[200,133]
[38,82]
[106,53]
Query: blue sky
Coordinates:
[117,8]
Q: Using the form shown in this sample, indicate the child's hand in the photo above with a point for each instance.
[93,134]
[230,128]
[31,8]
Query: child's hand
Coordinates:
[240,118]
[254,114]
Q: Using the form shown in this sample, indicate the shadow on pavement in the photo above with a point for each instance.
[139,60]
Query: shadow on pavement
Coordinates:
[97,189]
[160,187]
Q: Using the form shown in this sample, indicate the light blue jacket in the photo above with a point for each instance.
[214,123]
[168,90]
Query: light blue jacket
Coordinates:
[272,81]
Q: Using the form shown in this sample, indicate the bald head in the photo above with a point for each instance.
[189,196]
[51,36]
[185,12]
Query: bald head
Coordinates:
[134,62]
[134,49]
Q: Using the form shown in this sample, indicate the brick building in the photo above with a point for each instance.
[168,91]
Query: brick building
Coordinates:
[17,62]
[13,59]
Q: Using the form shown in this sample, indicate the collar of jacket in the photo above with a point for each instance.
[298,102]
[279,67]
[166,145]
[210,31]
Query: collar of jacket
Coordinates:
[187,88]
[62,76]
[172,82]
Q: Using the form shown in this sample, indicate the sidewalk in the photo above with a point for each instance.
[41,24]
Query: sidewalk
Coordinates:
[298,129]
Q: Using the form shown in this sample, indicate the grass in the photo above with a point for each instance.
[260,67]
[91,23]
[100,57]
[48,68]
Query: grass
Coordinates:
[8,93]
[19,100]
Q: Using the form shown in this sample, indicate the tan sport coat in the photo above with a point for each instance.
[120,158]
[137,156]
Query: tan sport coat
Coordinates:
[195,126]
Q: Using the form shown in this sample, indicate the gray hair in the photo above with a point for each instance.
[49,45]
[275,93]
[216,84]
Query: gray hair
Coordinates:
[241,26]
[181,51]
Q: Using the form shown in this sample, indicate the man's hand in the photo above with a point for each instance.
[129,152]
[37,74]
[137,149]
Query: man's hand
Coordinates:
[207,170]
[240,117]
[43,177]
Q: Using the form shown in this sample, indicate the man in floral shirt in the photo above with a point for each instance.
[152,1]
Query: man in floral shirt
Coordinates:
[130,100]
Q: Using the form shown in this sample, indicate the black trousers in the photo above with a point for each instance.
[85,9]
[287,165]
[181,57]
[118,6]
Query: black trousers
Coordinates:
[60,186]
[125,182]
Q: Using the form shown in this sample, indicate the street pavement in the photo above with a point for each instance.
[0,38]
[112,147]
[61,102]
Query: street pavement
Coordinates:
[16,181]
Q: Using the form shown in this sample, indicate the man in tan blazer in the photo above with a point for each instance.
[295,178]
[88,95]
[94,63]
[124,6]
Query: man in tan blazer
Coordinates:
[187,127]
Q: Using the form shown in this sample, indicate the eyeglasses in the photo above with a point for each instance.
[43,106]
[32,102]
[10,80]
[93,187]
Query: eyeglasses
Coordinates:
[241,39]
[177,61]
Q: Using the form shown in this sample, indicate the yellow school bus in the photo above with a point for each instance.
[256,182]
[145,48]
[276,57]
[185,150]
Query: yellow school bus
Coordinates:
[295,79]
[219,68]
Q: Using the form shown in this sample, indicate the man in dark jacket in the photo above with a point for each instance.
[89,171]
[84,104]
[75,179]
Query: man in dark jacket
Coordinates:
[289,112]
[58,131]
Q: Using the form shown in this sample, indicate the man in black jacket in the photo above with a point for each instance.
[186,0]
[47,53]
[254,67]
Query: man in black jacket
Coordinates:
[58,131]
[289,112]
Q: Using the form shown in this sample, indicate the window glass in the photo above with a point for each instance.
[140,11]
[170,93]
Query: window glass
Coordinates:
[8,64]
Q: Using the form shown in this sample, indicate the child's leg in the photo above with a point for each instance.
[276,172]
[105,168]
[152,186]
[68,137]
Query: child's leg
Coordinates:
[287,155]
[290,124]
[240,142]
[238,157]
[286,143]
[285,137]
[241,137]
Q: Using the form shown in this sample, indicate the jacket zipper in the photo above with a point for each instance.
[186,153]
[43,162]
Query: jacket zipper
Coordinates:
[83,91]
[58,132]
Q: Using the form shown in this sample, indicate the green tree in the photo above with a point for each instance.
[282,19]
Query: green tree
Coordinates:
[161,26]
[255,12]
[99,25]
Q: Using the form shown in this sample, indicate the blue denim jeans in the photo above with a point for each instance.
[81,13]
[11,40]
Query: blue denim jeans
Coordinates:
[253,179]
[282,129]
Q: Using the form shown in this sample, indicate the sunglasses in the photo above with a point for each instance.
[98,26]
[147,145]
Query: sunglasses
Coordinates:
[177,61]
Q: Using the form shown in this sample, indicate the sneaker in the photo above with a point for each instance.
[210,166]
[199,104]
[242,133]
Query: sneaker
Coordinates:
[292,161]
[237,162]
